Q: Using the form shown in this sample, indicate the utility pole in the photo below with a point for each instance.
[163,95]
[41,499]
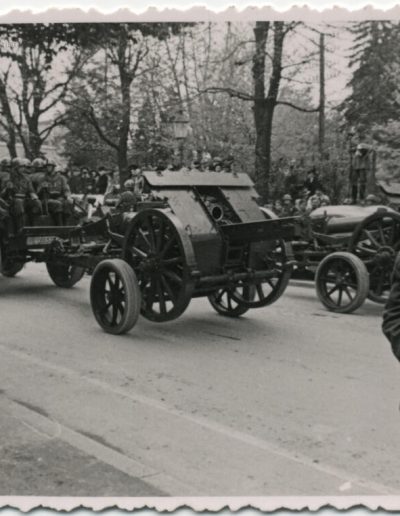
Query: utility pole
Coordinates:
[321,132]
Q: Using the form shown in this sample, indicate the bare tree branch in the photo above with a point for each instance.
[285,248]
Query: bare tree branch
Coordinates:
[229,91]
[91,117]
[299,108]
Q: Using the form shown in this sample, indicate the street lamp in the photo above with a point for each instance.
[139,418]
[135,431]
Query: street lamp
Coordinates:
[181,130]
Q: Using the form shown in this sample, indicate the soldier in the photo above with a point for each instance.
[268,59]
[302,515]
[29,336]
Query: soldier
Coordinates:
[38,173]
[391,314]
[20,195]
[228,164]
[5,167]
[361,162]
[55,194]
[287,206]
[217,164]
[371,200]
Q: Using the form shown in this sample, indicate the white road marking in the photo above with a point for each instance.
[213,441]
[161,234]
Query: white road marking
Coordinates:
[210,425]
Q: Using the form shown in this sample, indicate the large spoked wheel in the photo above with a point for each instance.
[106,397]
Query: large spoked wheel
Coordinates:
[342,282]
[376,242]
[161,253]
[115,296]
[266,291]
[64,276]
[224,303]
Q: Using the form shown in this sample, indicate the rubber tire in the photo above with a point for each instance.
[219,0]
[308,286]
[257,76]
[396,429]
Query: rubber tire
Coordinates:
[12,271]
[75,276]
[362,280]
[133,298]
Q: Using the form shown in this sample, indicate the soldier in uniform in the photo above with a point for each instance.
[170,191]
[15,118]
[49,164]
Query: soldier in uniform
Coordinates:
[38,172]
[20,196]
[5,167]
[391,314]
[361,163]
[55,194]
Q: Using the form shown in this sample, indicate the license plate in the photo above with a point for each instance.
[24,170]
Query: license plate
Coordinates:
[39,240]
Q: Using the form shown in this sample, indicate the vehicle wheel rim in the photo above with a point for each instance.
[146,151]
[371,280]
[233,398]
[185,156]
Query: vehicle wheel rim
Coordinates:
[161,254]
[110,298]
[338,283]
[268,290]
[224,301]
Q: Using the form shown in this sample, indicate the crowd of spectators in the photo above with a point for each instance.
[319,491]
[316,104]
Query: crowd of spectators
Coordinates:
[308,197]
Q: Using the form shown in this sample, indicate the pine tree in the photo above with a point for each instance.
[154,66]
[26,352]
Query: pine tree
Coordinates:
[374,85]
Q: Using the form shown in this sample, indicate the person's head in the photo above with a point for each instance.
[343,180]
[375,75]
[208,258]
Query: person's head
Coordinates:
[287,200]
[5,165]
[305,193]
[324,202]
[315,202]
[129,185]
[51,167]
[102,171]
[160,166]
[277,204]
[21,165]
[217,161]
[311,174]
[39,165]
[218,167]
[371,200]
[196,164]
[319,192]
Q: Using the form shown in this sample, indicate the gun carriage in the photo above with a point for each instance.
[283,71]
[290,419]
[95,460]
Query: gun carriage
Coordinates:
[350,252]
[196,235]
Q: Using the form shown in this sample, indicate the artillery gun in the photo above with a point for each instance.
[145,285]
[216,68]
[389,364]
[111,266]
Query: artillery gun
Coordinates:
[197,234]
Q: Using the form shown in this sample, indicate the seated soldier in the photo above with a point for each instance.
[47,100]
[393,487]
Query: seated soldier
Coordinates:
[5,167]
[20,195]
[55,195]
[38,172]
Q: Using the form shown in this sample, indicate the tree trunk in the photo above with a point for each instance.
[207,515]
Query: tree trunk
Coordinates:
[260,107]
[264,106]
[125,80]
[9,121]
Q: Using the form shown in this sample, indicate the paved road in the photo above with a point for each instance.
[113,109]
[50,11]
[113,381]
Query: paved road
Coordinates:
[288,400]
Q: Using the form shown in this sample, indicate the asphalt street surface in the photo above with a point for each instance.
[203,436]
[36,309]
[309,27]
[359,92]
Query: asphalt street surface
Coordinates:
[287,400]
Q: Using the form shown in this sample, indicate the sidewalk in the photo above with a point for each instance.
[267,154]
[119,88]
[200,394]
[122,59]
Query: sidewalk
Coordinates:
[34,462]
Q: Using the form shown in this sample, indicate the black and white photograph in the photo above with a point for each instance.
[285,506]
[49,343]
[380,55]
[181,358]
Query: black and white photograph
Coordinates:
[199,230]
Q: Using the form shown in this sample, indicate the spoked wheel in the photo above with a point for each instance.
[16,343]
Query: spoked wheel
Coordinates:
[64,276]
[268,290]
[376,241]
[224,303]
[161,253]
[342,282]
[115,296]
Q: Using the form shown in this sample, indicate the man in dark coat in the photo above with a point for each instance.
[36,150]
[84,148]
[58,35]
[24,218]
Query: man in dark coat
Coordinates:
[391,314]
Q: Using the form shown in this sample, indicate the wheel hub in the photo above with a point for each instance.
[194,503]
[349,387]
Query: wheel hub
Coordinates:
[384,256]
